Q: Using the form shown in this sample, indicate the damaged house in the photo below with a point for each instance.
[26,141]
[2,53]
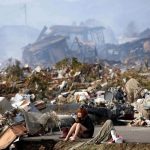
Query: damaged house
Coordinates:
[46,51]
[64,41]
[130,53]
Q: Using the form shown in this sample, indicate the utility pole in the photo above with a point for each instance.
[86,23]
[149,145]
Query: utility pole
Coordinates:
[25,13]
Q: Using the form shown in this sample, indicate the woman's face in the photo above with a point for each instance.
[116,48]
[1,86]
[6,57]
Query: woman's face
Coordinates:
[79,115]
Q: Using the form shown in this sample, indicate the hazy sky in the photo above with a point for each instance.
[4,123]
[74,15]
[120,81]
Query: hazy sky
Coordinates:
[114,13]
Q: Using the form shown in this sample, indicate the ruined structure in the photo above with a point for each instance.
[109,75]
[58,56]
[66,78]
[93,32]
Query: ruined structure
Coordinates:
[85,43]
[131,53]
[46,51]
[64,41]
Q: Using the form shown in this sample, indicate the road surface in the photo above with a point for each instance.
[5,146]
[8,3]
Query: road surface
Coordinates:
[130,134]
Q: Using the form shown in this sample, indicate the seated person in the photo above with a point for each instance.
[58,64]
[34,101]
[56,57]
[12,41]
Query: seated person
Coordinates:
[82,128]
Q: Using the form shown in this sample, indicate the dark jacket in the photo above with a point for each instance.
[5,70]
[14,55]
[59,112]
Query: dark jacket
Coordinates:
[87,122]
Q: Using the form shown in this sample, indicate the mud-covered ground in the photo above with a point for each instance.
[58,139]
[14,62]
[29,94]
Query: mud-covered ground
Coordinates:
[36,145]
[51,145]
[124,146]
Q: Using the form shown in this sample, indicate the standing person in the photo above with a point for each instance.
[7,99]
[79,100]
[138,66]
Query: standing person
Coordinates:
[82,128]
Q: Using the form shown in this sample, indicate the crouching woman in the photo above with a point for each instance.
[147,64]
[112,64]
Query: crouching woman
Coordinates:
[82,128]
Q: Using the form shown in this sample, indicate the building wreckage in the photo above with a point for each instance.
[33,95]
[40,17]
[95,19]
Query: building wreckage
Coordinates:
[64,42]
[85,43]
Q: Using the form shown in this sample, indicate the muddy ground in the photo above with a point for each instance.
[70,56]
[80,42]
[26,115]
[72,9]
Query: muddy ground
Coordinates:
[124,146]
[52,145]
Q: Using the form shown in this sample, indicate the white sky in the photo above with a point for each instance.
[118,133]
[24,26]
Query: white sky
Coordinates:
[114,13]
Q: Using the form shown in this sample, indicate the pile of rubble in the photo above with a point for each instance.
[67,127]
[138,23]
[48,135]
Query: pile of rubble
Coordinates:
[37,101]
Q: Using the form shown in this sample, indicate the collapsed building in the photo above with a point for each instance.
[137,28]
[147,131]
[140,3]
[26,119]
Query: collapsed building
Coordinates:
[130,53]
[64,41]
[85,43]
[46,51]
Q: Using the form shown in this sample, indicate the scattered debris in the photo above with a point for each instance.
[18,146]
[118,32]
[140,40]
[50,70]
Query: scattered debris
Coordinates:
[31,95]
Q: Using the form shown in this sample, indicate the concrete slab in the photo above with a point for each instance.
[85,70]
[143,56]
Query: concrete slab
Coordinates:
[130,134]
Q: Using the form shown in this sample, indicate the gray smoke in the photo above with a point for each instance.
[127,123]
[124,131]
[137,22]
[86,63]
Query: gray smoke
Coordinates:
[14,38]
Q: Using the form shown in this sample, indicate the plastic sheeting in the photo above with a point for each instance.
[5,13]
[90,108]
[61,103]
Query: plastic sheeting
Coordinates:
[4,105]
[35,121]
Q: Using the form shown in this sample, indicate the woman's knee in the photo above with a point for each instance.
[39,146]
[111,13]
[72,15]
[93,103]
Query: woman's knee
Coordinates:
[75,124]
[78,124]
